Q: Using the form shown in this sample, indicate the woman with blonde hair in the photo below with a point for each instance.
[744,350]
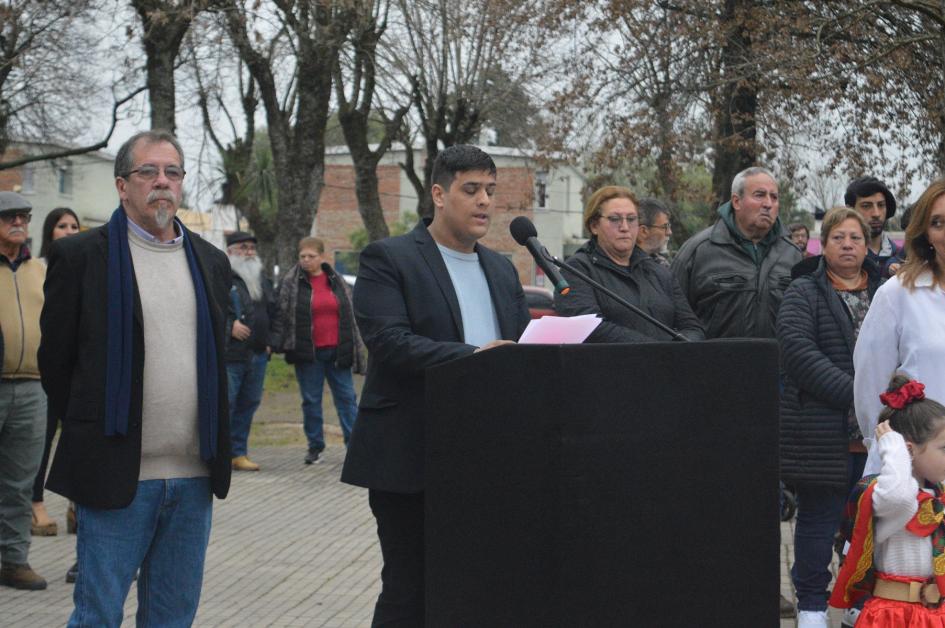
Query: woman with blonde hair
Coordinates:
[905,327]
[612,258]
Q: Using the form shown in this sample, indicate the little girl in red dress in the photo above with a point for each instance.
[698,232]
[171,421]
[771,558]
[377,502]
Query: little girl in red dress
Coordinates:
[895,519]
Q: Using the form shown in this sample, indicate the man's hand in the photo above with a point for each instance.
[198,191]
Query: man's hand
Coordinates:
[494,344]
[882,428]
[240,331]
[894,268]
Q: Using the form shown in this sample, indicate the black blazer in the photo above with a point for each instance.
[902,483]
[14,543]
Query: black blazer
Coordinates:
[90,468]
[408,314]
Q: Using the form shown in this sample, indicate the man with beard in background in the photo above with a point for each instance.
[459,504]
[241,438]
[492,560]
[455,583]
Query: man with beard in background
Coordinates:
[247,353]
[874,201]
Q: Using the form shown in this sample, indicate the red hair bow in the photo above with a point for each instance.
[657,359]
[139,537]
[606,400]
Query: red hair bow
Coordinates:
[907,393]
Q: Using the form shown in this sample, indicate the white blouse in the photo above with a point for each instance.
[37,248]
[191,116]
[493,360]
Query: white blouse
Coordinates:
[903,331]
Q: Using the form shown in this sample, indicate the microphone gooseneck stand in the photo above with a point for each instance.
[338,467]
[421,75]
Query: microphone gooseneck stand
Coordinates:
[675,335]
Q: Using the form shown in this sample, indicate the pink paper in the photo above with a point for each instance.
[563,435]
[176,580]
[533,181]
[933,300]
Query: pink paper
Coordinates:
[556,330]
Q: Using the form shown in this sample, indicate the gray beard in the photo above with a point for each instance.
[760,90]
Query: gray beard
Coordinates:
[249,269]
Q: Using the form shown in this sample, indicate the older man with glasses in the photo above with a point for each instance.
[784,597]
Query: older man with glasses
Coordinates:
[132,360]
[22,402]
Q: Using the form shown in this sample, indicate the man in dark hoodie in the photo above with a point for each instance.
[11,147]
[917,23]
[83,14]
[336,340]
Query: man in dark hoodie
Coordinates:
[735,272]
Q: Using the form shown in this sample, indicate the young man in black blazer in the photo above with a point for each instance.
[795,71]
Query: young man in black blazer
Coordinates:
[422,299]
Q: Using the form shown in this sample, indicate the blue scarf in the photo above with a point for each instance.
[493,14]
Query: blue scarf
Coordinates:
[120,319]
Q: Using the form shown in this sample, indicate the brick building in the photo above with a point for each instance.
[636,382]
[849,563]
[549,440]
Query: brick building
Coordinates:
[558,222]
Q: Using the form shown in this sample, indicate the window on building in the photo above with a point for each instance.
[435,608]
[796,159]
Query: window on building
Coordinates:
[26,179]
[65,177]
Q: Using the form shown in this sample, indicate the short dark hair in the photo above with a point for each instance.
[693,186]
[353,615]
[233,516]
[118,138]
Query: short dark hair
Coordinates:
[918,421]
[459,158]
[868,186]
[798,226]
[52,219]
[649,208]
[124,162]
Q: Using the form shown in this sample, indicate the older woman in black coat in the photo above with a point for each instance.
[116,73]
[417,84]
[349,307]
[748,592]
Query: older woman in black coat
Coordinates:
[822,452]
[612,258]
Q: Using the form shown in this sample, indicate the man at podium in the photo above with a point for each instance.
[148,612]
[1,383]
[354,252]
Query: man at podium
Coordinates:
[422,299]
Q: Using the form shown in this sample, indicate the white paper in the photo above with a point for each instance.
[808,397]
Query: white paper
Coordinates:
[556,330]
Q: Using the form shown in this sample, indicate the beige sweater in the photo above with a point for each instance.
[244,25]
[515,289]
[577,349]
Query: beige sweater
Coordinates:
[170,445]
[21,301]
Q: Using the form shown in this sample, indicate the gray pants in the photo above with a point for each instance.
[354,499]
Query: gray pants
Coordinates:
[22,434]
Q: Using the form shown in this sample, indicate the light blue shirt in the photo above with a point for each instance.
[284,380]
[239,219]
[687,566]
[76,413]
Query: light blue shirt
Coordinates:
[147,237]
[480,324]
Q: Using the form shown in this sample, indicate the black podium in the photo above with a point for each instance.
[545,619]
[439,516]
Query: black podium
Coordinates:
[604,485]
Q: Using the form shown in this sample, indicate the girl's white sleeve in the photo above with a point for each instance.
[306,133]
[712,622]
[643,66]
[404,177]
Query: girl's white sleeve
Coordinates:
[894,496]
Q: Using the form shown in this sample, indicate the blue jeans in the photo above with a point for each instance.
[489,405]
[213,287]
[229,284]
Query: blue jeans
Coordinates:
[819,511]
[245,381]
[311,377]
[164,532]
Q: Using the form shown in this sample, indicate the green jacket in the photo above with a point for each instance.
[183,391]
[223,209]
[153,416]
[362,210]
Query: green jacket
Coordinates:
[734,286]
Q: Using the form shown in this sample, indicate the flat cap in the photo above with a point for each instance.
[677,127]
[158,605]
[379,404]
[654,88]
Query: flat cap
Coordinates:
[12,202]
[240,236]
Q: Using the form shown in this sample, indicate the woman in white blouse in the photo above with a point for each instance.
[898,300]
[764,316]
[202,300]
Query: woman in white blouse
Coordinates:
[905,327]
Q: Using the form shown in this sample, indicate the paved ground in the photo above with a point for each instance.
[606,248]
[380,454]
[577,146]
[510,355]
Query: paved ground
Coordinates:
[291,546]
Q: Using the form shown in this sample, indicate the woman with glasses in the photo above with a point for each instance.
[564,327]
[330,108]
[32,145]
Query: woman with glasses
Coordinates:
[612,259]
[314,326]
[822,452]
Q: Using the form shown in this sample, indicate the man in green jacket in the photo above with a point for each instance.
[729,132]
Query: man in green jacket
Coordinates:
[735,272]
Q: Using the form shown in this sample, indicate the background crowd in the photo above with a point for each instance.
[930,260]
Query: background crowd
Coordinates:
[845,320]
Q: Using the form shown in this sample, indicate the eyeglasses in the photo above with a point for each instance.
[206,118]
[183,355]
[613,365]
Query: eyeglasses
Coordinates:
[8,218]
[149,172]
[664,227]
[616,219]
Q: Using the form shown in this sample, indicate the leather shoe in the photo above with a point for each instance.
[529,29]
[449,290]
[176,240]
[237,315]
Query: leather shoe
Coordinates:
[72,573]
[243,463]
[21,577]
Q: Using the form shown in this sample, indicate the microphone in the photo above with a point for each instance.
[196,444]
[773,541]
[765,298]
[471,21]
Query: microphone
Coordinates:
[523,231]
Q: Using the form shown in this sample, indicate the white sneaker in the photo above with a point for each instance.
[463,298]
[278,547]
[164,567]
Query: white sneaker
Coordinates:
[812,619]
[849,617]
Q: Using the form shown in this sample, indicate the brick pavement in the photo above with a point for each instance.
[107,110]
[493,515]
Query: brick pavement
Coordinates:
[290,546]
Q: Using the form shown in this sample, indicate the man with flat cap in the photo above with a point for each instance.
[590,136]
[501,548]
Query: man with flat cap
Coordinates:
[22,400]
[252,307]
[874,201]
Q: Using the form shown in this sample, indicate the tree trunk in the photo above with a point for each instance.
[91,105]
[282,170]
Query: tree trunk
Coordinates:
[164,26]
[369,200]
[736,104]
[160,68]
